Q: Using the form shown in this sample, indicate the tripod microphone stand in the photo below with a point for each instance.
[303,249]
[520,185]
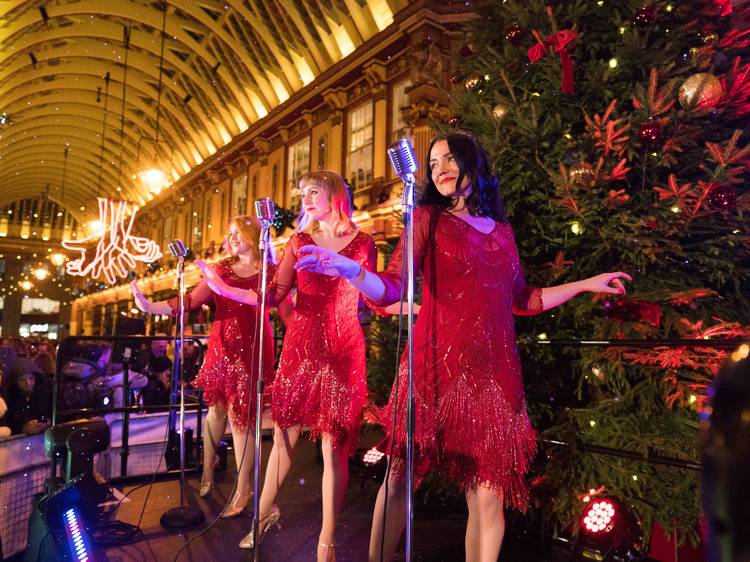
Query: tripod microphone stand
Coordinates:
[404,163]
[265,211]
[182,516]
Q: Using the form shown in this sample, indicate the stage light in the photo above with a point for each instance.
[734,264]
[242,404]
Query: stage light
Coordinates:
[600,517]
[372,456]
[608,533]
[78,540]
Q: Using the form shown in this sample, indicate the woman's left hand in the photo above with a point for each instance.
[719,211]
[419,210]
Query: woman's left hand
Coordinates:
[607,283]
[326,262]
[214,280]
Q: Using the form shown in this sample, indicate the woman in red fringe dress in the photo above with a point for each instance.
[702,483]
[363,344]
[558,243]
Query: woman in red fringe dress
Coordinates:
[471,422]
[229,372]
[321,379]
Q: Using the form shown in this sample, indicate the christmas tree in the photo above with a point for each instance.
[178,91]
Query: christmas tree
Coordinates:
[617,128]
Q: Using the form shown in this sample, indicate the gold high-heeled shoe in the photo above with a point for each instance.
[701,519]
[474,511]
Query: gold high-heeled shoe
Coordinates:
[271,519]
[208,485]
[237,505]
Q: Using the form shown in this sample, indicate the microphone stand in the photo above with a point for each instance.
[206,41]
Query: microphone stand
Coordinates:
[182,516]
[265,242]
[407,205]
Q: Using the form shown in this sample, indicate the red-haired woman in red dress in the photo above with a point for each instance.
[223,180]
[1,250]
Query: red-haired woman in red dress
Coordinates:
[471,421]
[321,379]
[229,372]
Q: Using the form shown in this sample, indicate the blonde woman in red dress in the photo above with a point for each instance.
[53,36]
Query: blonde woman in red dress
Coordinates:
[229,372]
[321,379]
[471,421]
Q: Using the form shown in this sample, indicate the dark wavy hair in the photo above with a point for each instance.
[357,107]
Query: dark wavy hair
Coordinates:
[473,162]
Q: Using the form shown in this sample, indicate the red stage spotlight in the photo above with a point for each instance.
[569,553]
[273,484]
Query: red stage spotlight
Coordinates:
[600,517]
[608,533]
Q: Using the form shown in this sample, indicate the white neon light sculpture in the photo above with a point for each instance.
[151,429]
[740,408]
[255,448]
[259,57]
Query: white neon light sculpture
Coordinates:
[116,250]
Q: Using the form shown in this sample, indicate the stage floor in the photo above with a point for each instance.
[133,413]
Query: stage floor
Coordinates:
[437,536]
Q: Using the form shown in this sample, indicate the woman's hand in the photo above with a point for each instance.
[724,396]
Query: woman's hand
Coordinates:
[141,302]
[607,283]
[215,282]
[326,262]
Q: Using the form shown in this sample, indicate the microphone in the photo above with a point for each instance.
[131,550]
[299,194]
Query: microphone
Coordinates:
[265,209]
[177,248]
[403,160]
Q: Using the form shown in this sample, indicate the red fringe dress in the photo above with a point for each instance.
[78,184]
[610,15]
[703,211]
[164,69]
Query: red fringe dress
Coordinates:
[471,420]
[229,372]
[321,379]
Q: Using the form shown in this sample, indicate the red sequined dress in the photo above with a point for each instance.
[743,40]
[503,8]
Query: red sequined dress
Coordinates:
[229,372]
[471,421]
[321,379]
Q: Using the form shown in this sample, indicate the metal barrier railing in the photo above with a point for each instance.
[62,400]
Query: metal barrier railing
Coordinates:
[125,346]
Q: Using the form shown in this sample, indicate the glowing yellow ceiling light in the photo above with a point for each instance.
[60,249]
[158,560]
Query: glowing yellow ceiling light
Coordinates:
[238,118]
[41,273]
[305,73]
[258,105]
[278,88]
[381,13]
[225,136]
[209,145]
[344,42]
[57,259]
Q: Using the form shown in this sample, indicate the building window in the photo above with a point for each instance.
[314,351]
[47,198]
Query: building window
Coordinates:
[254,187]
[323,153]
[196,226]
[275,183]
[360,146]
[299,163]
[167,232]
[399,101]
[239,195]
[40,306]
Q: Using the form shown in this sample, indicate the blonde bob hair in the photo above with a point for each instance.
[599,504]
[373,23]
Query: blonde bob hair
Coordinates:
[339,197]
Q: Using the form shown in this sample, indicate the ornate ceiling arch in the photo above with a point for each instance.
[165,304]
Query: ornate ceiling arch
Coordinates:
[79,83]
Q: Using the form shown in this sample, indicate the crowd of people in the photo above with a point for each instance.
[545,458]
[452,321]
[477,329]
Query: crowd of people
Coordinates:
[89,377]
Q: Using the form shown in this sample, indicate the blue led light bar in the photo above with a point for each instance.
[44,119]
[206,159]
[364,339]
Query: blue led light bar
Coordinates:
[78,540]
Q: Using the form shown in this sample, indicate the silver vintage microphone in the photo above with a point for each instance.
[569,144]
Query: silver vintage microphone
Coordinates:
[265,210]
[401,154]
[177,248]
[404,162]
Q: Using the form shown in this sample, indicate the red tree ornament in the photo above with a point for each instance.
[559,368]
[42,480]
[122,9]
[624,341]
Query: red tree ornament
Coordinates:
[650,133]
[723,198]
[514,34]
[645,16]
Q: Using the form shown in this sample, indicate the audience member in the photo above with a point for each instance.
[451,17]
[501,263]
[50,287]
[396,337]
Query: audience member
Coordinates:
[29,403]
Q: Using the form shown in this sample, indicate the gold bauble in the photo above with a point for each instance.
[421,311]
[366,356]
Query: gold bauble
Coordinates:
[701,92]
[582,174]
[500,112]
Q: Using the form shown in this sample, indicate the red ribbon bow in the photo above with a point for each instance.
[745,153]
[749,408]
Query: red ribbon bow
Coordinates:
[558,41]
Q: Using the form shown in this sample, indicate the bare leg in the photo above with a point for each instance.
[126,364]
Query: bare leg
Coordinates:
[279,463]
[213,431]
[244,453]
[395,520]
[486,525]
[335,481]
